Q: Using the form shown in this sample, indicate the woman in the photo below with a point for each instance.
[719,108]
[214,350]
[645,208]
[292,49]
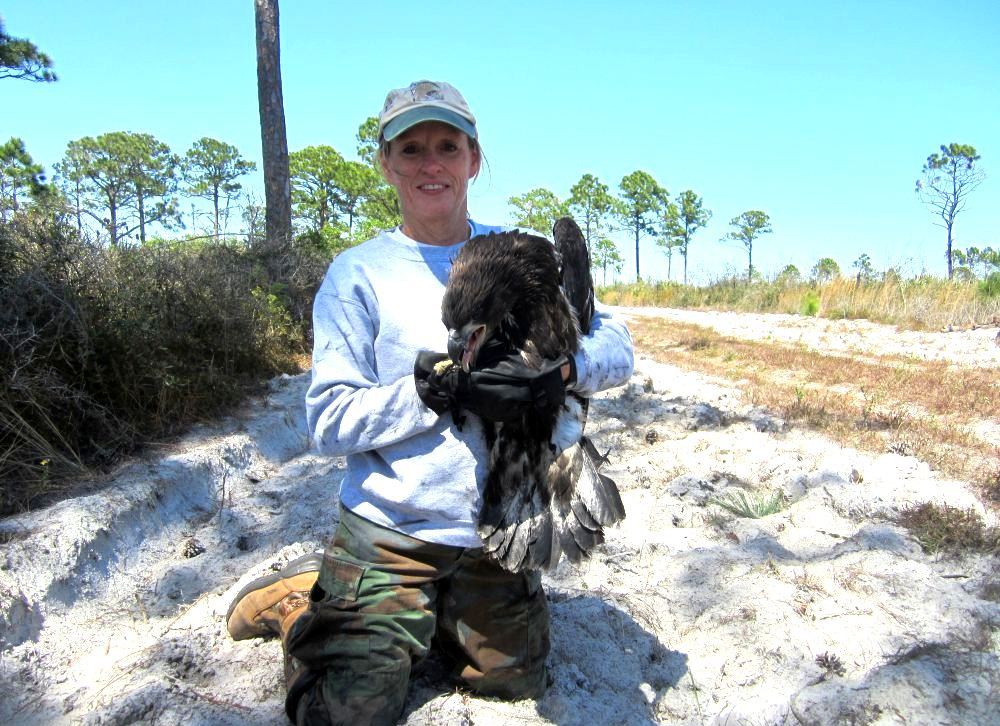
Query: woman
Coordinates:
[406,564]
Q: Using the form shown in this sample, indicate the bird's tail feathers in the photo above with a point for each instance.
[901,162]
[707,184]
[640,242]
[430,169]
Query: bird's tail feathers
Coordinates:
[521,535]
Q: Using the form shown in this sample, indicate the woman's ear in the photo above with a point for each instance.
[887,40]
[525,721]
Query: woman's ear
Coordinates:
[383,166]
[477,161]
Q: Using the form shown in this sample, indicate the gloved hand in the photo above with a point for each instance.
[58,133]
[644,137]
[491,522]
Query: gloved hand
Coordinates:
[505,390]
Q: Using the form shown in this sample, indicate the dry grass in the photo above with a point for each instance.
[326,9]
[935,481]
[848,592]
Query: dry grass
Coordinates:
[887,403]
[945,529]
[991,484]
[920,303]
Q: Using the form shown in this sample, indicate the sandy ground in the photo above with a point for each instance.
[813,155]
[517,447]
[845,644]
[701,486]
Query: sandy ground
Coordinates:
[112,604]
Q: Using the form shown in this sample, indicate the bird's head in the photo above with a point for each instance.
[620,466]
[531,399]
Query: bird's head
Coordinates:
[495,290]
[479,324]
[465,343]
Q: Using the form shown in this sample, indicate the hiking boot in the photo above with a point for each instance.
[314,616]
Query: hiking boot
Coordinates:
[271,603]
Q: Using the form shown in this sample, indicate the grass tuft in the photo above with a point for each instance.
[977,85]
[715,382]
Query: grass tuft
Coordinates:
[830,663]
[991,483]
[751,505]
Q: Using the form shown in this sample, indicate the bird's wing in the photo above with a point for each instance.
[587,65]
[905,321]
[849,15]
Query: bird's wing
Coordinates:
[577,283]
[583,501]
[537,505]
[574,260]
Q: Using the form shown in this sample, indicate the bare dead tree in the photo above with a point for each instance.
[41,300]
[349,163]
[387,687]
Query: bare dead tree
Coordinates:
[274,143]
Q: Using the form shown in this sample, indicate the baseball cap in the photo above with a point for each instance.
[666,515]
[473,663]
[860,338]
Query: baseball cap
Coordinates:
[424,101]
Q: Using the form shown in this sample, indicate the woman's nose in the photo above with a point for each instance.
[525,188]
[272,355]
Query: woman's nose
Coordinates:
[432,161]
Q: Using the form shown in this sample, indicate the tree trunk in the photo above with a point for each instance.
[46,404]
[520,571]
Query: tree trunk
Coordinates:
[637,278]
[215,205]
[79,214]
[950,270]
[141,203]
[113,223]
[274,143]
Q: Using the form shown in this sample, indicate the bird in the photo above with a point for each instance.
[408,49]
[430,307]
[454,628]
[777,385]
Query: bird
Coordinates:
[544,495]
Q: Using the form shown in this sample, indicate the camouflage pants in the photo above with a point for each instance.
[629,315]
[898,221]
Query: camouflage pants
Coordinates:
[380,599]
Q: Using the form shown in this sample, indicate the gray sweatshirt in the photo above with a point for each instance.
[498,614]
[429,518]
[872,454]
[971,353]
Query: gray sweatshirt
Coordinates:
[408,468]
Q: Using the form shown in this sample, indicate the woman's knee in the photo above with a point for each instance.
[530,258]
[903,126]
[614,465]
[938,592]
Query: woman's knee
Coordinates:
[350,697]
[499,640]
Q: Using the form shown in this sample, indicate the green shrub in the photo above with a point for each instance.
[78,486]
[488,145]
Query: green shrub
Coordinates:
[110,347]
[989,289]
[810,303]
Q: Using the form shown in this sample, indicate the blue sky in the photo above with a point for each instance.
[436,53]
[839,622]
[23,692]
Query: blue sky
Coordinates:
[820,114]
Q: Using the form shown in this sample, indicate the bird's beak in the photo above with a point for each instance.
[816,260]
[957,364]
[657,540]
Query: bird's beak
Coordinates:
[464,344]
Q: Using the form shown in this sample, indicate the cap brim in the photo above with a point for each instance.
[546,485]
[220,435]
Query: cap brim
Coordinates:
[407,120]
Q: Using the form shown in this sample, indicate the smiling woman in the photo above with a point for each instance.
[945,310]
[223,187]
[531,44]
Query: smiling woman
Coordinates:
[354,619]
[428,152]
[430,166]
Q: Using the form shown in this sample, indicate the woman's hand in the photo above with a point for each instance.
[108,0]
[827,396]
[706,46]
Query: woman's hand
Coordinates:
[505,390]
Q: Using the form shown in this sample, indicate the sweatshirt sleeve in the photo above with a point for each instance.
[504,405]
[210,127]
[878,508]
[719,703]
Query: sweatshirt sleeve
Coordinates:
[605,357]
[347,409]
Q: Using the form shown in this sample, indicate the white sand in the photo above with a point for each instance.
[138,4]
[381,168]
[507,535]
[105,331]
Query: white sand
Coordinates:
[687,615]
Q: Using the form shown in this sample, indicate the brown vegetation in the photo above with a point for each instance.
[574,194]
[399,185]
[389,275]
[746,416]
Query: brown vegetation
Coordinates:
[884,404]
[941,528]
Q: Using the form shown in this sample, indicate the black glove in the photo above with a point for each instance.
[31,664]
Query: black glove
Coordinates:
[504,391]
[429,378]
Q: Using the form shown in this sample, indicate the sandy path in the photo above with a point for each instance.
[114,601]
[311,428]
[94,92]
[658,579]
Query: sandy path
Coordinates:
[111,605]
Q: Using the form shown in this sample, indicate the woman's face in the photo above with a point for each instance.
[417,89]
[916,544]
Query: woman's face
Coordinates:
[430,166]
